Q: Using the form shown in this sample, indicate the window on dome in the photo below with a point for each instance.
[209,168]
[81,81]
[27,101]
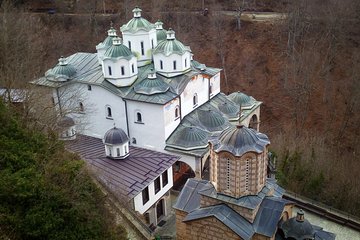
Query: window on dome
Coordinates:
[110,151]
[110,72]
[185,62]
[81,107]
[133,68]
[129,44]
[174,65]
[122,70]
[118,152]
[108,112]
[195,100]
[152,43]
[142,48]
[145,195]
[138,117]
[161,64]
[165,179]
[177,115]
[126,149]
[157,185]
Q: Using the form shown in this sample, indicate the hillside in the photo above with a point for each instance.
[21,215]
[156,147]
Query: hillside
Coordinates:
[305,70]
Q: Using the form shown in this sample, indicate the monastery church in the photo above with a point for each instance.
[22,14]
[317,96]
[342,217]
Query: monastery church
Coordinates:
[146,116]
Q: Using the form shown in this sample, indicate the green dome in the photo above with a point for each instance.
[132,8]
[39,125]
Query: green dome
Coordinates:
[228,109]
[242,99]
[161,35]
[118,50]
[211,120]
[171,45]
[151,85]
[108,42]
[62,70]
[240,140]
[188,138]
[137,23]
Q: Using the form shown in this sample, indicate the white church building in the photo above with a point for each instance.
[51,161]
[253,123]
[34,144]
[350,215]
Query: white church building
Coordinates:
[145,82]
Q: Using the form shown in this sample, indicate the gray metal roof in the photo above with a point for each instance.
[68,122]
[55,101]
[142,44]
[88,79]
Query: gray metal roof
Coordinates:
[188,138]
[115,136]
[227,216]
[242,99]
[129,176]
[240,140]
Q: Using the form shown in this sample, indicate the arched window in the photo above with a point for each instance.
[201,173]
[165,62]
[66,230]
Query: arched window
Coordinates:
[110,72]
[108,112]
[81,107]
[247,175]
[161,64]
[174,64]
[138,117]
[228,174]
[195,100]
[177,115]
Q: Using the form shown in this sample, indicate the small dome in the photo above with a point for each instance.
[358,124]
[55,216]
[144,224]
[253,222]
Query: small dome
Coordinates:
[151,85]
[160,32]
[171,45]
[137,23]
[108,42]
[211,120]
[115,136]
[118,50]
[242,99]
[62,70]
[298,227]
[228,109]
[190,138]
[66,121]
[240,140]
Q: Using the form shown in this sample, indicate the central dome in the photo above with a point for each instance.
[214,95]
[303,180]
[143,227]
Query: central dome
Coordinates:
[137,23]
[240,140]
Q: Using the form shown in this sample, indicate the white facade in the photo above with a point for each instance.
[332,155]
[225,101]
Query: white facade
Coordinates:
[153,197]
[172,65]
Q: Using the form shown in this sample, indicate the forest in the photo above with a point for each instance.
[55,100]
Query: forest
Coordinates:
[303,67]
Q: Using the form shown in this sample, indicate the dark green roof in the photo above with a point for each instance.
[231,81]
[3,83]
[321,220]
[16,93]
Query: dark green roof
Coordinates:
[118,51]
[242,99]
[150,86]
[160,34]
[188,137]
[61,70]
[211,120]
[136,24]
[171,45]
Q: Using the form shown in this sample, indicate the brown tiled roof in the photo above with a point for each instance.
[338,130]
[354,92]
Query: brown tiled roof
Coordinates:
[129,176]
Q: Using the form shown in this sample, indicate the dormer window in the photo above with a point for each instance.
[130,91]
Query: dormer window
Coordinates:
[109,69]
[122,70]
[174,65]
[161,64]
[195,100]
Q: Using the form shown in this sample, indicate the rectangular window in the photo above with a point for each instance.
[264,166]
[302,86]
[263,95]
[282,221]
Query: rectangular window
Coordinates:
[122,70]
[109,68]
[174,65]
[133,68]
[186,62]
[161,64]
[152,43]
[145,195]
[118,152]
[142,48]
[165,179]
[129,45]
[89,87]
[157,185]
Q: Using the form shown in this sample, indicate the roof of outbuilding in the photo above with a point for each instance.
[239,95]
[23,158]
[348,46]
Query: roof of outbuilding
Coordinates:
[115,136]
[240,140]
[129,176]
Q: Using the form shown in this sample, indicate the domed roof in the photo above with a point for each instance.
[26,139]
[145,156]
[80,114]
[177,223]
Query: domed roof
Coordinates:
[137,23]
[189,137]
[240,140]
[66,121]
[115,136]
[151,85]
[298,227]
[242,99]
[228,109]
[61,72]
[211,120]
[171,45]
[160,32]
[118,50]
[108,42]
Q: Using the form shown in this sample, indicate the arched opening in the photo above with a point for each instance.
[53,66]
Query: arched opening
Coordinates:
[205,172]
[160,210]
[181,173]
[254,123]
[138,117]
[108,112]
[81,107]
